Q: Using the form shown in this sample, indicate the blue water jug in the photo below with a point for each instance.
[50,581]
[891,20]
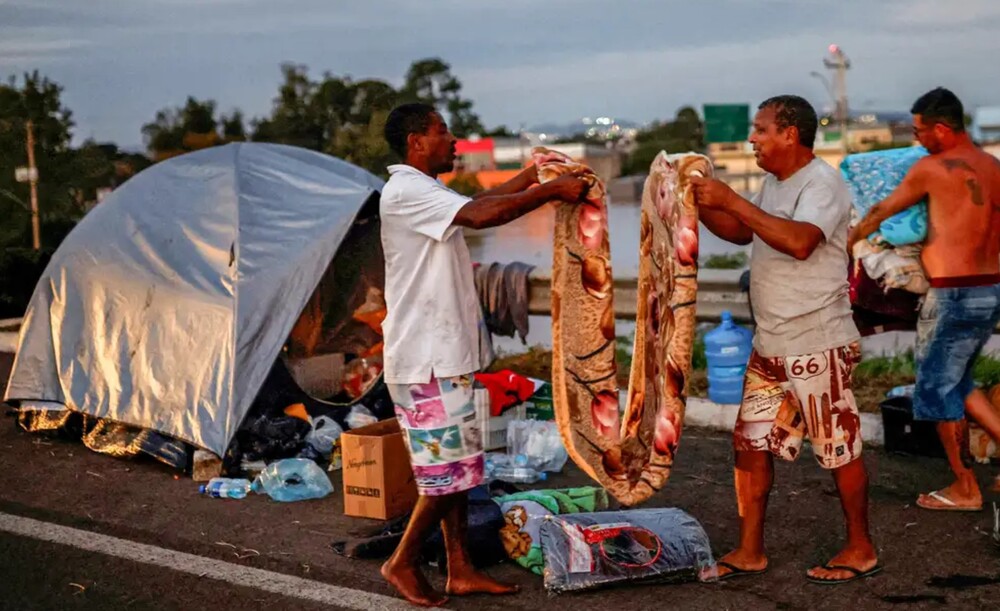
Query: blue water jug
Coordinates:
[727,350]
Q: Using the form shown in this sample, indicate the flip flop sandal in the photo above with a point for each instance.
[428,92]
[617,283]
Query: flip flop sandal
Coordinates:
[858,574]
[735,571]
[946,504]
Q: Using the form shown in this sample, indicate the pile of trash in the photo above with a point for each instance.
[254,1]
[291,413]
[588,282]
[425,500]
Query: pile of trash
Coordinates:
[570,536]
[285,480]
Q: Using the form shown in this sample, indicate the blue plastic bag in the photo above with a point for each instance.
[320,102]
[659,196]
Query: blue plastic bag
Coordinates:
[293,479]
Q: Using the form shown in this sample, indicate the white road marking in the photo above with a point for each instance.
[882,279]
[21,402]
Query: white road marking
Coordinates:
[276,583]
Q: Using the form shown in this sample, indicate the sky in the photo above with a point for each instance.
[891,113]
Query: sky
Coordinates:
[521,62]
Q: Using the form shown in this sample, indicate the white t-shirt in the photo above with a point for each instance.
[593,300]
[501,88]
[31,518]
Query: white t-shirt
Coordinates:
[433,311]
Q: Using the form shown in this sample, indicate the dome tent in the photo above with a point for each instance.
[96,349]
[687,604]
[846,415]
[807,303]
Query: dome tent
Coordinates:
[169,303]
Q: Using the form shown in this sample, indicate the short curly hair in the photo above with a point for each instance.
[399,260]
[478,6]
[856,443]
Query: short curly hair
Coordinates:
[794,111]
[406,119]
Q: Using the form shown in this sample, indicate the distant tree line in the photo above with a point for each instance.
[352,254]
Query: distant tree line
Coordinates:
[334,114]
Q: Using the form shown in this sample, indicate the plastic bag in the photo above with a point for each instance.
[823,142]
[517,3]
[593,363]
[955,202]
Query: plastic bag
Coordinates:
[590,550]
[293,479]
[539,440]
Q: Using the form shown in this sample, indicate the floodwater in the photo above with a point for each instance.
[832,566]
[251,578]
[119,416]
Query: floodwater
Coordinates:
[529,240]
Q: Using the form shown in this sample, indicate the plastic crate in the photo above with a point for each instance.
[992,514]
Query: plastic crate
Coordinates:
[494,428]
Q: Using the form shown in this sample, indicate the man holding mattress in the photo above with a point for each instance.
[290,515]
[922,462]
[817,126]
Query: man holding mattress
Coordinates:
[798,380]
[432,335]
[961,257]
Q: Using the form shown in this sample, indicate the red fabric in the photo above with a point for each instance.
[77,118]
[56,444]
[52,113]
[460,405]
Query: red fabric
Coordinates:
[507,389]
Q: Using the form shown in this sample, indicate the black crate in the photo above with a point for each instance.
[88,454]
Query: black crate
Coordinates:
[905,435]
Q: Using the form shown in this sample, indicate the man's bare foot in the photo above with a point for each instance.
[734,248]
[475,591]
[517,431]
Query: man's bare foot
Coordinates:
[411,583]
[741,562]
[861,560]
[469,581]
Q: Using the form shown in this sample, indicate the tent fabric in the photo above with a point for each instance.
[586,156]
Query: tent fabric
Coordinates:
[167,305]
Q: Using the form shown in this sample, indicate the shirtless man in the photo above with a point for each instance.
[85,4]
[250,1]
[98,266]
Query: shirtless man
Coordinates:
[962,259]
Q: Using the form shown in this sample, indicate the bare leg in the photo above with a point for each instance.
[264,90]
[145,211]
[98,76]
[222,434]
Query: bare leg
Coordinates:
[754,475]
[965,491]
[463,578]
[987,416]
[859,553]
[979,408]
[402,570]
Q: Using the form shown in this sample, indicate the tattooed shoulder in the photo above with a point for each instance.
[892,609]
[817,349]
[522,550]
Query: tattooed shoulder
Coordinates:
[956,164]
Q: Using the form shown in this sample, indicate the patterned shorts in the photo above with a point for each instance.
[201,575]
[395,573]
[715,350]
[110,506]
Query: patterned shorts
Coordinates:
[442,432]
[787,398]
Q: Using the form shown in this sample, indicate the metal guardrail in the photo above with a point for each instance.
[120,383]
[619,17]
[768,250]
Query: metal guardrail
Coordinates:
[718,290]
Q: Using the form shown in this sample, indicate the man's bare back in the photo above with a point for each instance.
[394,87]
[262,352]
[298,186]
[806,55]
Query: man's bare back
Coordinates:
[963,237]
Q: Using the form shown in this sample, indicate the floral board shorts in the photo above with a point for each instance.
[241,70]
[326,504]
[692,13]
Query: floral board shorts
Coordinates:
[787,398]
[954,325]
[443,434]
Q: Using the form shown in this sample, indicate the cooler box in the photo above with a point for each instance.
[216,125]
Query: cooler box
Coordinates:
[905,435]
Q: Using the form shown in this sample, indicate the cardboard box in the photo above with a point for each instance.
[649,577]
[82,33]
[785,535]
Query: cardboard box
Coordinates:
[378,480]
[984,449]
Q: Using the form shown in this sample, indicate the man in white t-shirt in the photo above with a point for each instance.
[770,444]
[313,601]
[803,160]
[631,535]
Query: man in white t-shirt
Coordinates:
[798,379]
[431,333]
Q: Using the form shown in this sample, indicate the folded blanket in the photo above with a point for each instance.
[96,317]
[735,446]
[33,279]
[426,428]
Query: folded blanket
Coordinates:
[872,177]
[523,513]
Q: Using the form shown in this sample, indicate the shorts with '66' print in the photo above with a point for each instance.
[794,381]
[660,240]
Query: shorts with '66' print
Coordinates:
[788,398]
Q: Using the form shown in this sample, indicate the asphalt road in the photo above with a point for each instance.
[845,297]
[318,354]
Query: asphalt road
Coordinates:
[930,558]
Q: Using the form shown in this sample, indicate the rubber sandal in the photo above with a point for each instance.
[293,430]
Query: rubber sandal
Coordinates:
[858,574]
[946,503]
[735,571]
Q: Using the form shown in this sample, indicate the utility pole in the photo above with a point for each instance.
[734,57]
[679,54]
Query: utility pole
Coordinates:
[36,231]
[839,64]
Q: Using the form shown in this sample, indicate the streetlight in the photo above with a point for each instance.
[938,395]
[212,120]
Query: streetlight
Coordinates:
[826,85]
[838,63]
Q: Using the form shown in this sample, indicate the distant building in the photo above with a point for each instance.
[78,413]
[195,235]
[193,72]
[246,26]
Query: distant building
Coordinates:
[986,125]
[496,160]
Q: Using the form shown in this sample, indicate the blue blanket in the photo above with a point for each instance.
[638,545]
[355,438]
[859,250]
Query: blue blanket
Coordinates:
[872,177]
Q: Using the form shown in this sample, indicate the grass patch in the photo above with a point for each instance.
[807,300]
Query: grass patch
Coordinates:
[873,377]
[735,260]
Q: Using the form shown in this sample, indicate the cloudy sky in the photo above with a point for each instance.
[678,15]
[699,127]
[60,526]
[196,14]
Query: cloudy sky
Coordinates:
[520,61]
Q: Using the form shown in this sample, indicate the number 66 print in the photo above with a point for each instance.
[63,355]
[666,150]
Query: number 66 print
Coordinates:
[805,367]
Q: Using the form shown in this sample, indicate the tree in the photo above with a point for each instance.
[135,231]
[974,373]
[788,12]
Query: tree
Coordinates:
[233,129]
[336,116]
[431,81]
[293,120]
[37,99]
[685,133]
[191,127]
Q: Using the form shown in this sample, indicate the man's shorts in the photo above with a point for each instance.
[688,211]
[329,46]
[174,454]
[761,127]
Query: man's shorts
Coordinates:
[954,325]
[442,433]
[787,398]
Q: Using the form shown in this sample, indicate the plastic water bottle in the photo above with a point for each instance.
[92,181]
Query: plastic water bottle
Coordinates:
[225,488]
[499,460]
[293,479]
[519,475]
[727,350]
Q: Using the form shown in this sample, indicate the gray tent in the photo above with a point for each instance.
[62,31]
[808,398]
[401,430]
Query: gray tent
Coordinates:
[167,306]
